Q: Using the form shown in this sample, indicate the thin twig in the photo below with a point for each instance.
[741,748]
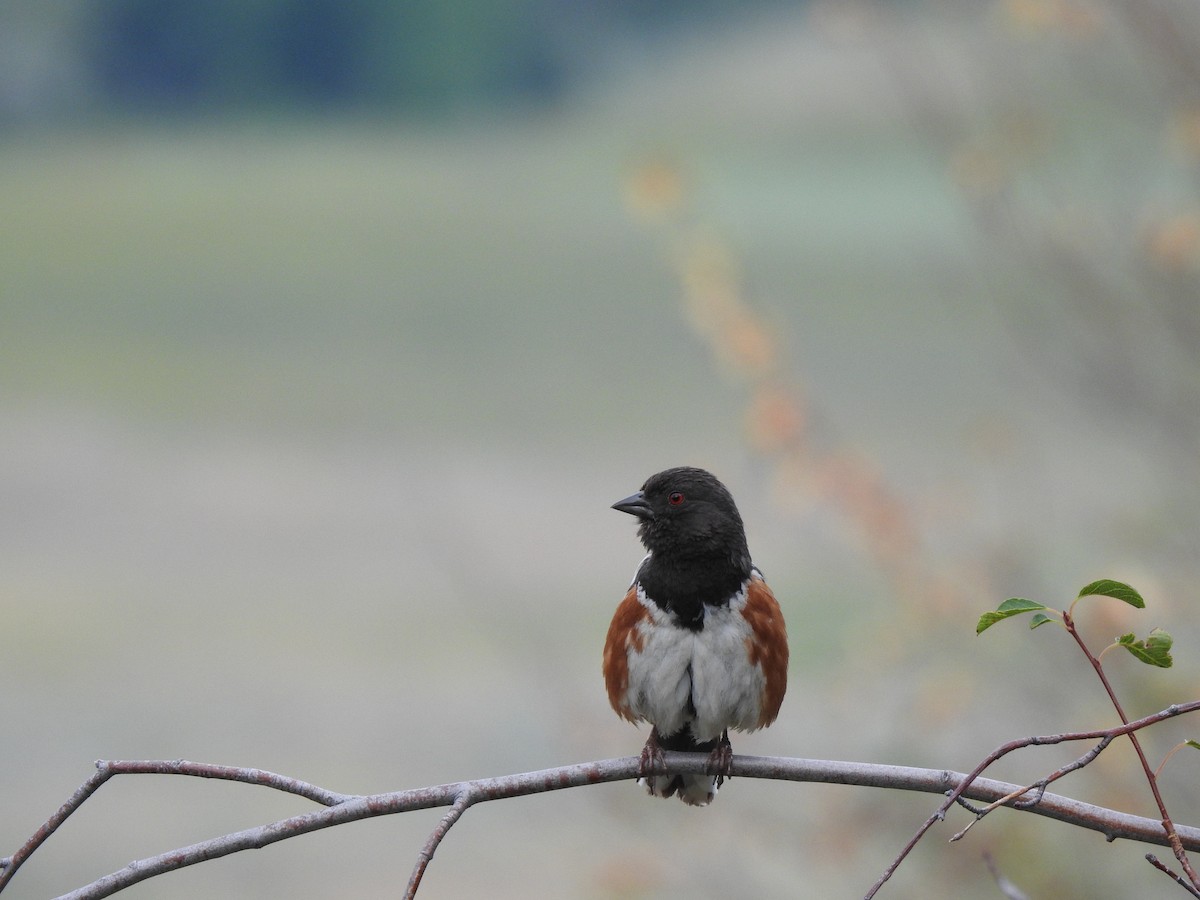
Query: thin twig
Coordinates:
[1166,759]
[1040,786]
[10,864]
[1168,825]
[107,768]
[464,800]
[1175,876]
[965,787]
[224,773]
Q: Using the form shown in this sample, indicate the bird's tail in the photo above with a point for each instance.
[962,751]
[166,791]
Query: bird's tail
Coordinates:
[694,790]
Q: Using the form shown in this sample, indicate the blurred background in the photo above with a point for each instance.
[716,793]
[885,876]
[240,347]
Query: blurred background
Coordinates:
[331,330]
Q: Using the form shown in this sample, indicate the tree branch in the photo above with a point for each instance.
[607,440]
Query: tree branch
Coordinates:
[106,769]
[342,808]
[465,799]
[1151,779]
[1174,876]
[1105,735]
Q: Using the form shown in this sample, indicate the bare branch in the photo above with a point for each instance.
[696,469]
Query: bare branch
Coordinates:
[350,809]
[344,808]
[966,786]
[10,864]
[465,799]
[106,769]
[1174,876]
[226,773]
[1038,787]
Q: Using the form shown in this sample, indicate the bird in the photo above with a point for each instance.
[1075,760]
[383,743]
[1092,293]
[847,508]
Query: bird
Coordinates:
[698,645]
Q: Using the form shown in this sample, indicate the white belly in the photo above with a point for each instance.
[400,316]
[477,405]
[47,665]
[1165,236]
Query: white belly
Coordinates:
[703,678]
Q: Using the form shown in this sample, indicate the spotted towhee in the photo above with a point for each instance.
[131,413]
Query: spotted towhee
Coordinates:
[698,645]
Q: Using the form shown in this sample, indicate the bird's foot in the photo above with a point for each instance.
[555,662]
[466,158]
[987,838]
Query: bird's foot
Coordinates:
[652,755]
[720,760]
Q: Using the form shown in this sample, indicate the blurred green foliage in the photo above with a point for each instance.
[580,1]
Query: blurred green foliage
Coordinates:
[415,56]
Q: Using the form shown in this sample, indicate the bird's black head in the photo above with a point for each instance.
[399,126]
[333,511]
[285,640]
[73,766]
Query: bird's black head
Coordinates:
[688,516]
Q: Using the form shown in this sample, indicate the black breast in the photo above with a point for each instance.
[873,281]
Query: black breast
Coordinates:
[685,591]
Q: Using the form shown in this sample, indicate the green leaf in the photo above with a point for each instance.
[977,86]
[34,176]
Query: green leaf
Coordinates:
[1039,619]
[1012,607]
[1106,587]
[1155,650]
[1195,744]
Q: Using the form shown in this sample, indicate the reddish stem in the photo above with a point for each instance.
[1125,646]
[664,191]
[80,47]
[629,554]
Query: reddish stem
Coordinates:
[1152,780]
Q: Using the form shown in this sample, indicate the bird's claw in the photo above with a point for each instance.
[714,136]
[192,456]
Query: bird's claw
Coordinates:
[652,755]
[720,760]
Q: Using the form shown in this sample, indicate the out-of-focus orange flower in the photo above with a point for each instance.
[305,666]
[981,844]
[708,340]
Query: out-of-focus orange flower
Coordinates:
[709,278]
[775,420]
[1173,244]
[858,488]
[747,345]
[984,166]
[980,172]
[1069,17]
[625,877]
[1030,14]
[1185,133]
[654,191]
[776,417]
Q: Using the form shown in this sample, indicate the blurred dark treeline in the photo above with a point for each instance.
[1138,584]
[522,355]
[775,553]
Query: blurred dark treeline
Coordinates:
[412,56]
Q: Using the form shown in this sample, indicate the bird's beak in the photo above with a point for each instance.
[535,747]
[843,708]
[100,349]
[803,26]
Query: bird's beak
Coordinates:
[635,505]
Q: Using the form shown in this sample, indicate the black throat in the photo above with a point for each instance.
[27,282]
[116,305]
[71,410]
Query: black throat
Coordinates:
[685,587]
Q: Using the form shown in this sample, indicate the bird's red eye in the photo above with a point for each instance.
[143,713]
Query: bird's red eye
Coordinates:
[675,498]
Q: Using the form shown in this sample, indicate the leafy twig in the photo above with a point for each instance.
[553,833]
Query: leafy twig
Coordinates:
[1168,825]
[1154,650]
